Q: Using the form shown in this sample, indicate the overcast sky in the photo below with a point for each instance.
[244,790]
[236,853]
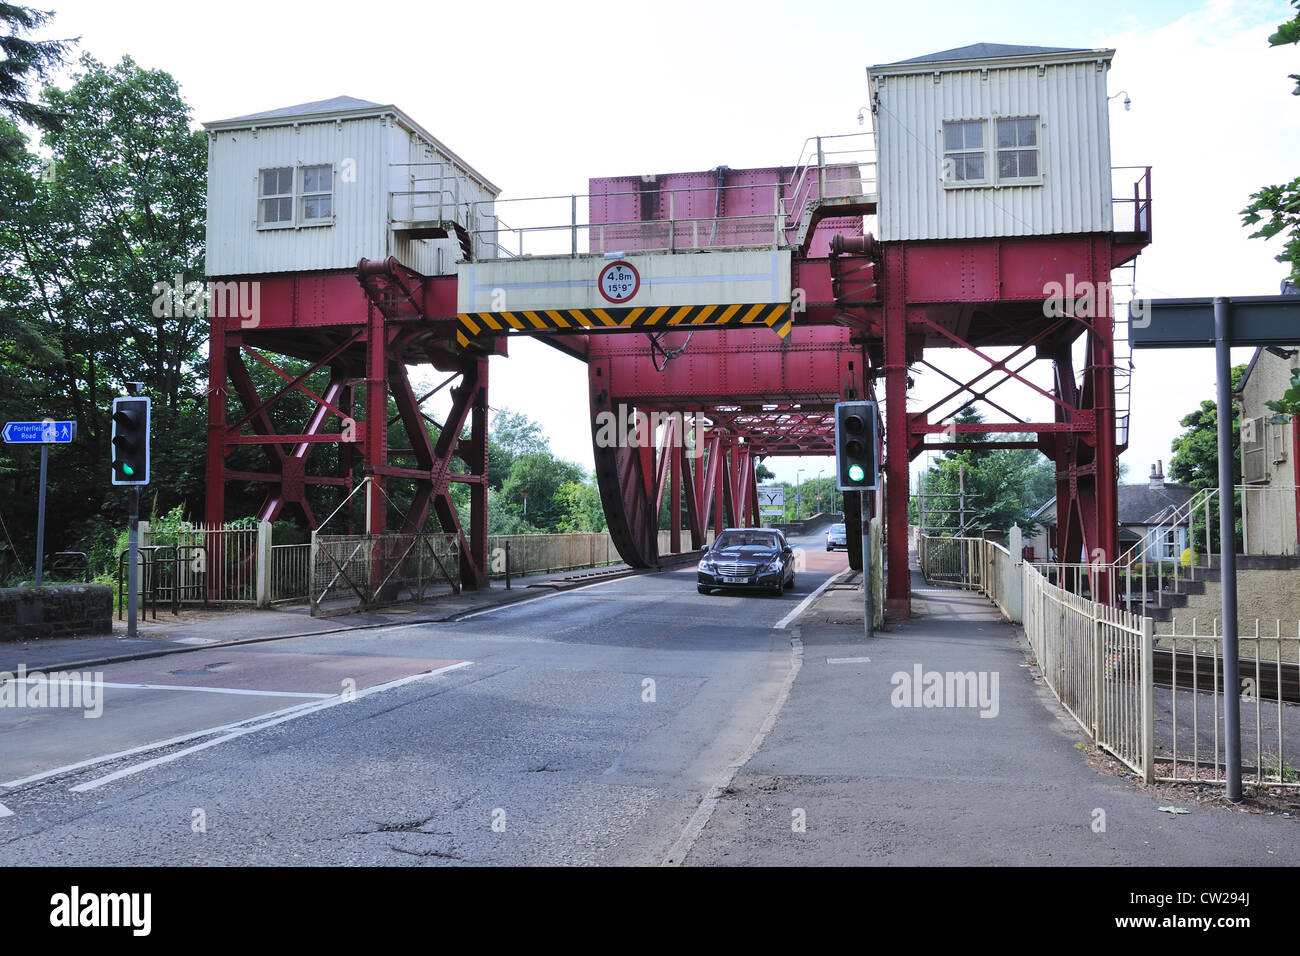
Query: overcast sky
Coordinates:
[541,96]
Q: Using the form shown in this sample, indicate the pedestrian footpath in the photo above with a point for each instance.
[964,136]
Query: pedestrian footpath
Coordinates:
[200,628]
[874,760]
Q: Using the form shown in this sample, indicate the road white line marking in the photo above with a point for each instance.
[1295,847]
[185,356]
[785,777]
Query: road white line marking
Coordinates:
[781,625]
[848,660]
[202,690]
[182,738]
[302,711]
[700,819]
[144,748]
[499,607]
[196,640]
[5,811]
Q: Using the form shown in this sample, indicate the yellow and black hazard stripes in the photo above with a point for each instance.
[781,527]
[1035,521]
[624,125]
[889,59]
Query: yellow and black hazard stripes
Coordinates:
[775,316]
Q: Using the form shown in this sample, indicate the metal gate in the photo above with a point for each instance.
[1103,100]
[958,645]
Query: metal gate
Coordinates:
[351,573]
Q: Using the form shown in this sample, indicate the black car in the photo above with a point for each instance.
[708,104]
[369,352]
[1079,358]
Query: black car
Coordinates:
[747,558]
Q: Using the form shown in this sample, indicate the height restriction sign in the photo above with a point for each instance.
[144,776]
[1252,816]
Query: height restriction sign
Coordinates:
[619,281]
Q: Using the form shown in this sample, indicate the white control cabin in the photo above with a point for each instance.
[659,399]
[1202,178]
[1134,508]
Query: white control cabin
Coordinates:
[321,185]
[993,140]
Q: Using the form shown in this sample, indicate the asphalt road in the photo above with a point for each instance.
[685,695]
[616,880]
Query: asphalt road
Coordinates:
[579,727]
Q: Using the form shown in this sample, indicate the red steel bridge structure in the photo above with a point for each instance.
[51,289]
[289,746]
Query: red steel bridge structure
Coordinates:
[850,317]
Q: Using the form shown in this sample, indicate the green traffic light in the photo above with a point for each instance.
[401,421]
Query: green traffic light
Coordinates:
[856,473]
[127,469]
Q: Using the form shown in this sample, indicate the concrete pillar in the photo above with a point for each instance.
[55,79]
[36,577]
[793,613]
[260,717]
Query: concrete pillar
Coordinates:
[263,566]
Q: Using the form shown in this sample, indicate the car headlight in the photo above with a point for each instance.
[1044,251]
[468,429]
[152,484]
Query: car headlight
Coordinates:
[706,566]
[774,564]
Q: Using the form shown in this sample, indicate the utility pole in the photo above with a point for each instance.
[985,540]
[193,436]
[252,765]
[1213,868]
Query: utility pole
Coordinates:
[1228,552]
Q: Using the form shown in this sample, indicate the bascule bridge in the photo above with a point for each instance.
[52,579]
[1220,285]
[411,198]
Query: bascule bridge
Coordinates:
[737,304]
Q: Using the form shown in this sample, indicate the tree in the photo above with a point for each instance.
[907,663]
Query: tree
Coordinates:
[970,415]
[1003,486]
[1195,460]
[122,209]
[537,478]
[1278,207]
[581,510]
[23,61]
[510,436]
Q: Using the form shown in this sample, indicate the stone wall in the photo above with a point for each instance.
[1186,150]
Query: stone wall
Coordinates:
[1262,593]
[63,610]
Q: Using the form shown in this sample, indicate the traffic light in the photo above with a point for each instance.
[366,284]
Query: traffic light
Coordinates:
[130,441]
[855,446]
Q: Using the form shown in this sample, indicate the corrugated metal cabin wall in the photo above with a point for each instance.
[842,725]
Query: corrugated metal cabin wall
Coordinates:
[407,146]
[1075,151]
[237,247]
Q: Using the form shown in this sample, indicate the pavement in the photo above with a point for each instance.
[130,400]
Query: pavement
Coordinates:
[853,772]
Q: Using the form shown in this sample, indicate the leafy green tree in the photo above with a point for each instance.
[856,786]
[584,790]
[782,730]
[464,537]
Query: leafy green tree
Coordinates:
[970,415]
[1276,209]
[510,436]
[1003,486]
[581,510]
[23,61]
[1195,460]
[536,478]
[83,243]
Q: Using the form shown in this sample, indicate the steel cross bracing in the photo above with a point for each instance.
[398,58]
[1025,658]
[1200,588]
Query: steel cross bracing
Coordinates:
[364,335]
[862,312]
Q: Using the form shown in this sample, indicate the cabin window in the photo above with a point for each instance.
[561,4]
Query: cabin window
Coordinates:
[294,196]
[963,152]
[317,193]
[1018,149]
[276,195]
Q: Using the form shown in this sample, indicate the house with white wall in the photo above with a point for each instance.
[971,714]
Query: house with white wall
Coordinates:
[1269,469]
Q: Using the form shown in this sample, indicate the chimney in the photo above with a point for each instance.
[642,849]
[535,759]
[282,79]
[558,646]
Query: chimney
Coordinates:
[1157,476]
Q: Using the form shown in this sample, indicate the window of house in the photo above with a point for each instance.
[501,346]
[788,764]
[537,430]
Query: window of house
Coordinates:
[1018,149]
[963,152]
[1169,549]
[276,197]
[290,196]
[317,193]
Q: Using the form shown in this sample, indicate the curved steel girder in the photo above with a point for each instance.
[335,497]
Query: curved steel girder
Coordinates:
[621,476]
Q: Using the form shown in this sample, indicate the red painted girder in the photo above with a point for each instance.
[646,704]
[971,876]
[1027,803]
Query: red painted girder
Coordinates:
[291,439]
[975,445]
[729,366]
[1083,422]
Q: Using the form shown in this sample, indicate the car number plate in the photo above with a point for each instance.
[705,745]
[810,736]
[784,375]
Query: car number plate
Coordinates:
[734,580]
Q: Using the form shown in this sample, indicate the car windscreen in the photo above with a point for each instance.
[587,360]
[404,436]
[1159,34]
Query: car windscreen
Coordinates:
[737,540]
[837,529]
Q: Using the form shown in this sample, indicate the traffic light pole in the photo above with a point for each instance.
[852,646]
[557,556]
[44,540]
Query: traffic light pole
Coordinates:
[132,558]
[868,616]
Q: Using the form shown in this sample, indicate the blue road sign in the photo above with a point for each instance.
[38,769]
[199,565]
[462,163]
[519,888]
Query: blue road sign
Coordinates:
[39,433]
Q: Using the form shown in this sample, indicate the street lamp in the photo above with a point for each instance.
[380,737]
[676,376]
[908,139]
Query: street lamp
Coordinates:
[798,500]
[819,484]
